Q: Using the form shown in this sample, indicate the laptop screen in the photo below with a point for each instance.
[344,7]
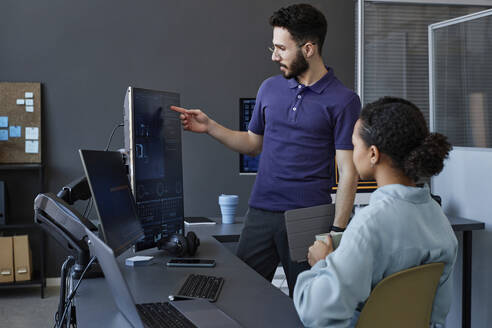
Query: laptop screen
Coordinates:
[112,196]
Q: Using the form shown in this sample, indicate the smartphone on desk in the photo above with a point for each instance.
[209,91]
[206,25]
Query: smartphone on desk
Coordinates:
[187,262]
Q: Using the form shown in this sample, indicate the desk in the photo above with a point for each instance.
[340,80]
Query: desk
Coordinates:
[246,296]
[467,226]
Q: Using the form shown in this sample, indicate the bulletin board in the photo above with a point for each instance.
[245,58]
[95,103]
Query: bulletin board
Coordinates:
[20,122]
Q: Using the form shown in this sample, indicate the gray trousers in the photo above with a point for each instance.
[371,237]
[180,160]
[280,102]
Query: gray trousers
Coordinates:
[263,244]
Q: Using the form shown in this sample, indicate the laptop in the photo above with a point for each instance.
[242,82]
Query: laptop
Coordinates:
[303,225]
[114,202]
[189,313]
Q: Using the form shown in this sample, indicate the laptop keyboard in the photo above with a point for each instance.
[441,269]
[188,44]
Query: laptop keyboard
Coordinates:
[201,286]
[162,315]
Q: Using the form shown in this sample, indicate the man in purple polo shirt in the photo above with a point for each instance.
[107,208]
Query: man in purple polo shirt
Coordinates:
[301,120]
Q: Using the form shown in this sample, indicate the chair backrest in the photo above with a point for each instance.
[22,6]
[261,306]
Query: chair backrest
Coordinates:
[403,299]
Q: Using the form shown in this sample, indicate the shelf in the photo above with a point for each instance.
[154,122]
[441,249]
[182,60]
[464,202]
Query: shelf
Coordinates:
[36,281]
[19,226]
[20,283]
[39,278]
[35,166]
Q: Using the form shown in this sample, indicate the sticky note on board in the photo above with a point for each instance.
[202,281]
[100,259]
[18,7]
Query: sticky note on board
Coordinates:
[32,147]
[15,131]
[4,121]
[30,109]
[29,102]
[4,134]
[20,102]
[28,95]
[32,133]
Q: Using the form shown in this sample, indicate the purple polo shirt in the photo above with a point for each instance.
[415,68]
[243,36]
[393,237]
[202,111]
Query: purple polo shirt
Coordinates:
[302,126]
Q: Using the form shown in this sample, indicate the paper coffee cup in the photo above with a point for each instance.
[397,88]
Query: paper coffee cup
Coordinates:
[336,237]
[323,237]
[228,205]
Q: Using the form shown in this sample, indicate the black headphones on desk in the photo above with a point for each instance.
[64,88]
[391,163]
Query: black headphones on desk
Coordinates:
[179,245]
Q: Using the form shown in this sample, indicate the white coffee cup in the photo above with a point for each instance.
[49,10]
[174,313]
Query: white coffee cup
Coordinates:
[228,205]
[336,237]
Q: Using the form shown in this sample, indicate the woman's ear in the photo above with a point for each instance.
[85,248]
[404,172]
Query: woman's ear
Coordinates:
[374,155]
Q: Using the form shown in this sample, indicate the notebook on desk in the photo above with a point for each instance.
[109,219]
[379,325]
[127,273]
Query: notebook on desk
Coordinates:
[303,225]
[198,220]
[189,313]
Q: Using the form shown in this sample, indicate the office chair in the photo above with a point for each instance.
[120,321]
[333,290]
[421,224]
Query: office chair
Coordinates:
[403,299]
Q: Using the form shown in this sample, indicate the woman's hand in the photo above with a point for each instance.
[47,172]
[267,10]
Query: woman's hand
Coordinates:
[319,250]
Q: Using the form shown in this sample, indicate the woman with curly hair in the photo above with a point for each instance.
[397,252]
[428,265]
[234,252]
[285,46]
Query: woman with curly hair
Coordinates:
[402,226]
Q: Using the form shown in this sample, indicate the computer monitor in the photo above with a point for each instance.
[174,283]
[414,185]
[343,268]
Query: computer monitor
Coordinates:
[115,206]
[247,164]
[153,144]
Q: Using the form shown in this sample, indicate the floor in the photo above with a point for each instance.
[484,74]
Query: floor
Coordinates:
[279,280]
[23,307]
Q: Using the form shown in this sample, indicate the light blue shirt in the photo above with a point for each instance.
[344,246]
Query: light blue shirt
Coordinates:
[402,227]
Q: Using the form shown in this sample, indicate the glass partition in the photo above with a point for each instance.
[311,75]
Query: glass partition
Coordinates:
[460,79]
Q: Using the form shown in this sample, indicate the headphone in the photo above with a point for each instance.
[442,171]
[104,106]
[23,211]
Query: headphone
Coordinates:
[179,245]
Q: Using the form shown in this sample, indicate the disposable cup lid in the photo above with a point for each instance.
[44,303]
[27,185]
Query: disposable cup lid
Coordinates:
[228,198]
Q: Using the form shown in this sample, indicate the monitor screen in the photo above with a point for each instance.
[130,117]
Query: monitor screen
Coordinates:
[153,143]
[113,198]
[247,164]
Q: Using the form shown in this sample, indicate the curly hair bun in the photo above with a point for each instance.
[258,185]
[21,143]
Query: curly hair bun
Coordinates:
[427,159]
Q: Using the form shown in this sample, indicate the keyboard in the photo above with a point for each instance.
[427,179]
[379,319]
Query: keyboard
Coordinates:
[162,315]
[202,287]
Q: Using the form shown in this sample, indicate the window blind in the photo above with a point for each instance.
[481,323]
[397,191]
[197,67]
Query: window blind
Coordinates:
[395,56]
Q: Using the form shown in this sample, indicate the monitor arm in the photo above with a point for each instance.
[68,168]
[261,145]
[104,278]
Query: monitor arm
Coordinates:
[65,225]
[78,189]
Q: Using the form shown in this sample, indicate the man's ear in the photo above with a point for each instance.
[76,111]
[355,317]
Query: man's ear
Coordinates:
[309,50]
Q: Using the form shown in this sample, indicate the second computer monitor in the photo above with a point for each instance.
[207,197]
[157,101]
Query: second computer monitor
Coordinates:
[115,206]
[153,144]
[247,164]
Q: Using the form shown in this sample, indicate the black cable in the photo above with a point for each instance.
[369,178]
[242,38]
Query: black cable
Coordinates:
[112,133]
[63,290]
[72,294]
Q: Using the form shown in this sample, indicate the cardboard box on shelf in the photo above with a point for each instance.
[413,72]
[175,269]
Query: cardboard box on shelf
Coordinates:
[22,258]
[6,260]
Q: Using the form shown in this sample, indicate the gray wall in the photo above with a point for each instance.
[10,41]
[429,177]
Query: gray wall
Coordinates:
[464,185]
[85,53]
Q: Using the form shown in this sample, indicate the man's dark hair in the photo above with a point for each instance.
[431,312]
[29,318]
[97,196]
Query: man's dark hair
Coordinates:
[398,128]
[304,22]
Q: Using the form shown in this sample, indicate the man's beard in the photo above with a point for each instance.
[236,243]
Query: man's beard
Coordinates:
[298,66]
